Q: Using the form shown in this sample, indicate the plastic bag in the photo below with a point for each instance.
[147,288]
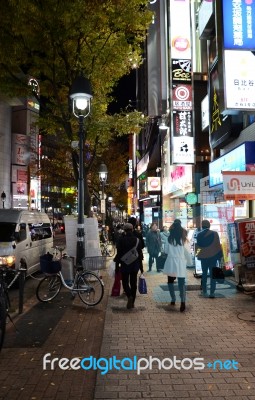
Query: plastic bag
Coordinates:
[116,284]
[142,286]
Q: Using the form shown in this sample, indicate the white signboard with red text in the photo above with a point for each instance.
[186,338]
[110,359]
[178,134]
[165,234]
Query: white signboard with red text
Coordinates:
[239,185]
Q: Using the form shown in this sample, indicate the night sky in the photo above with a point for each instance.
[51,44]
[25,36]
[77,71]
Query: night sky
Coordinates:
[124,91]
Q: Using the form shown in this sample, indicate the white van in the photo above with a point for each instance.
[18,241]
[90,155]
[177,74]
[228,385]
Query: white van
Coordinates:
[24,236]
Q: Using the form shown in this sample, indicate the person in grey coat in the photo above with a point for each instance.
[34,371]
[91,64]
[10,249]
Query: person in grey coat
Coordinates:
[153,243]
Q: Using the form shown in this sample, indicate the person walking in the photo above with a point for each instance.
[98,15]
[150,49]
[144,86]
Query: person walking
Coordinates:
[164,234]
[129,272]
[137,233]
[153,243]
[176,262]
[209,251]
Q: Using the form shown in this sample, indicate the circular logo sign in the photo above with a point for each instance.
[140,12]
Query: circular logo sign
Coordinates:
[191,198]
[180,43]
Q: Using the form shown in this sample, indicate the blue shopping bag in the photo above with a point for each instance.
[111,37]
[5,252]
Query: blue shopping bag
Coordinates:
[142,286]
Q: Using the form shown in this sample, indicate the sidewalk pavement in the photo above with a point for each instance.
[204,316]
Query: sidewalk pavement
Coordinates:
[212,329]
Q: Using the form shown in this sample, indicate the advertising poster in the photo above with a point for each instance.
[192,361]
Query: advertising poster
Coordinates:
[246,230]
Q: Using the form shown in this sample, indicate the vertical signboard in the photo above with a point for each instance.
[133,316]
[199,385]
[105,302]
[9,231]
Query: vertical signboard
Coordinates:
[239,24]
[182,141]
[246,230]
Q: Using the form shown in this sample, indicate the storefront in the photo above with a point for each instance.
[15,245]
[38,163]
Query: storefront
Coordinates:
[217,205]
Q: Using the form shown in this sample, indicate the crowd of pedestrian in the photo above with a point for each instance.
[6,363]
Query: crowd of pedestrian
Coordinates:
[169,250]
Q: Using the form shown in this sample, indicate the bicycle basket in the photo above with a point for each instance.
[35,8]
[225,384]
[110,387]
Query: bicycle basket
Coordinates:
[94,263]
[48,265]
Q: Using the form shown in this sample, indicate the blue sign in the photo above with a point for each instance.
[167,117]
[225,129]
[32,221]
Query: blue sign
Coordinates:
[239,24]
[234,160]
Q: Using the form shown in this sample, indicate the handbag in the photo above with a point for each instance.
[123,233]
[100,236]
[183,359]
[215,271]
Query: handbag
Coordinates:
[131,255]
[116,285]
[142,286]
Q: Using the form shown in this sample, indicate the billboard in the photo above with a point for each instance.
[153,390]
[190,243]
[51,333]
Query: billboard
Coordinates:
[239,24]
[182,140]
[239,79]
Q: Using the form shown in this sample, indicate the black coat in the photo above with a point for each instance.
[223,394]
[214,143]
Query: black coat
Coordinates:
[208,243]
[126,243]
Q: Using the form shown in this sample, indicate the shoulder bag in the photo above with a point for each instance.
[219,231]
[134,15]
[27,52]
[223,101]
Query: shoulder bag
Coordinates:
[131,255]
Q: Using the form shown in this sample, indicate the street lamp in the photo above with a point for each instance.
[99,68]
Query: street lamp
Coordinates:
[3,198]
[81,95]
[103,171]
[110,200]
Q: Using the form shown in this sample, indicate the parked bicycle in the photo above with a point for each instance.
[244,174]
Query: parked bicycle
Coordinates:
[5,303]
[108,249]
[86,283]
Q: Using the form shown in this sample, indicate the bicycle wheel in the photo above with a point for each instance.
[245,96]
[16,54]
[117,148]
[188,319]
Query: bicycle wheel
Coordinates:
[48,288]
[3,316]
[91,288]
[111,249]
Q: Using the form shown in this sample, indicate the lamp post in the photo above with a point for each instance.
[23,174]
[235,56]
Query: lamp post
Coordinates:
[110,199]
[103,171]
[81,96]
[3,198]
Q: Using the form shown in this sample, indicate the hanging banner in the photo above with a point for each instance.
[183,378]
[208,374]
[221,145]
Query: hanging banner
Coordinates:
[239,185]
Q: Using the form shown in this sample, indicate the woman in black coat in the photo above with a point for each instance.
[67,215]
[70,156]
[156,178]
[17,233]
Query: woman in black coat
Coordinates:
[129,272]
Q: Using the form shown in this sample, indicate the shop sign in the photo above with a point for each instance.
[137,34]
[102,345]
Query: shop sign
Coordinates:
[180,178]
[183,150]
[182,97]
[142,165]
[181,70]
[239,24]
[154,183]
[180,32]
[239,80]
[182,123]
[247,242]
[237,159]
[20,149]
[239,185]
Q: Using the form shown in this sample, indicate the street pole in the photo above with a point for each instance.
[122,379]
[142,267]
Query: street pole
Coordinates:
[103,214]
[81,95]
[80,251]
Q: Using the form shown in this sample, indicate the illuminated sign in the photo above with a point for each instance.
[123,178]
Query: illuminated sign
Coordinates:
[183,150]
[239,24]
[142,165]
[182,141]
[182,97]
[130,169]
[234,160]
[239,185]
[181,70]
[180,32]
[239,79]
[180,178]
[182,123]
[205,112]
[154,183]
